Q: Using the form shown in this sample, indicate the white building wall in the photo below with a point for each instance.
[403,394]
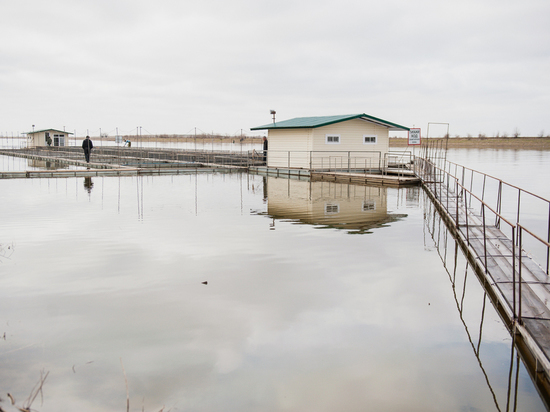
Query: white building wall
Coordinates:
[351,152]
[289,147]
[351,136]
[305,148]
[38,139]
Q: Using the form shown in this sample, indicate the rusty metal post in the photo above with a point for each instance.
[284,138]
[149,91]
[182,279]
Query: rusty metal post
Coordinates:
[484,236]
[457,222]
[519,271]
[514,272]
[466,216]
[499,205]
[519,205]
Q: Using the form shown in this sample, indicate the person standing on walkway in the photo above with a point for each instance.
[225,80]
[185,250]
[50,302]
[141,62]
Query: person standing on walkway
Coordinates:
[87,145]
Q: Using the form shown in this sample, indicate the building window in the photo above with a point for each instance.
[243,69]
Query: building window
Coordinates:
[369,205]
[369,139]
[332,139]
[332,208]
[59,140]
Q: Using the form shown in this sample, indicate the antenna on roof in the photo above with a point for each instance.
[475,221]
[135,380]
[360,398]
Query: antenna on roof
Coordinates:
[273,114]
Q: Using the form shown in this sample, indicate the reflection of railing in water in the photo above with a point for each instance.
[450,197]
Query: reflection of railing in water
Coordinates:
[441,242]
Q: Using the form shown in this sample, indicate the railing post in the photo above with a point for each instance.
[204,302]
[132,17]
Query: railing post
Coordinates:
[484,237]
[456,191]
[483,190]
[448,190]
[514,272]
[519,204]
[465,196]
[499,204]
[519,271]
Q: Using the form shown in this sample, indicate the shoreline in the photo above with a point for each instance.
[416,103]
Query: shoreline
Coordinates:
[519,143]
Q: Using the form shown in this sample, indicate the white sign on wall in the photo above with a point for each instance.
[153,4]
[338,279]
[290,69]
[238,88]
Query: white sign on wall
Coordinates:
[414,137]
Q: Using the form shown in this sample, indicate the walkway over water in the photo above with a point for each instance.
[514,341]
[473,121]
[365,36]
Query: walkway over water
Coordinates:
[118,161]
[494,244]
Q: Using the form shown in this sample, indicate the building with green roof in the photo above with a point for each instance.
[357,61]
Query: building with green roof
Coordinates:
[317,142]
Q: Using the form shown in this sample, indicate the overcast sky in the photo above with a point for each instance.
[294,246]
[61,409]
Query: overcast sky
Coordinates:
[169,66]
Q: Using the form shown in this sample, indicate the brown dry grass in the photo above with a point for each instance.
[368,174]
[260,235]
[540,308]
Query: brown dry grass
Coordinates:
[519,143]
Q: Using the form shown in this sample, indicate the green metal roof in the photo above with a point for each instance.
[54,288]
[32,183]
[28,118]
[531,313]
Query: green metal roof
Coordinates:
[49,130]
[319,121]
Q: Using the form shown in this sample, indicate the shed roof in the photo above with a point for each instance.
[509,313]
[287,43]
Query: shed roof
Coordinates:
[49,130]
[319,121]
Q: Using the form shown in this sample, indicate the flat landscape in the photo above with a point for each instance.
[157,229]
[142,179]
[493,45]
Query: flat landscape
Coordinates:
[523,143]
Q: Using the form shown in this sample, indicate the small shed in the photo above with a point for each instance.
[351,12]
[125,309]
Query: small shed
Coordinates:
[47,137]
[351,141]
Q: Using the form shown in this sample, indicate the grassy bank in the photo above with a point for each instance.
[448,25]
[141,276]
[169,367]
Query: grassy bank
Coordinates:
[523,143]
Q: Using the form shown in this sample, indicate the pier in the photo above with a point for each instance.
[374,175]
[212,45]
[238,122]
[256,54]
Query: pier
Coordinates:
[121,161]
[492,236]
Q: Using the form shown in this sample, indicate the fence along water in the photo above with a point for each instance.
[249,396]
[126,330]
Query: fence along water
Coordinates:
[486,214]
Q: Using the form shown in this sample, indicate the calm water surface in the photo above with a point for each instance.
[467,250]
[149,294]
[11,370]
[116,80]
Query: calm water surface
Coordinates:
[320,296]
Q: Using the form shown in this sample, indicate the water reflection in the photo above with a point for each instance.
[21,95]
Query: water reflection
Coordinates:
[458,270]
[354,208]
[88,184]
[291,319]
[46,164]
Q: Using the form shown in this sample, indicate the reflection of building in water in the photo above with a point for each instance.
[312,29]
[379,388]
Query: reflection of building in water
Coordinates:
[46,164]
[352,207]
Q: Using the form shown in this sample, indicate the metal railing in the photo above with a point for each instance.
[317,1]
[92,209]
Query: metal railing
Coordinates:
[330,161]
[343,161]
[146,157]
[456,194]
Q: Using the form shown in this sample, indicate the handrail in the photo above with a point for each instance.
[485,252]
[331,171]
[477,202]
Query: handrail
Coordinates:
[481,201]
[500,180]
[459,172]
[523,228]
[461,191]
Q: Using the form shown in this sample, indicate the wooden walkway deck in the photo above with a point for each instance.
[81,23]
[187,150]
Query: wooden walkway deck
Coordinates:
[367,179]
[97,168]
[114,162]
[392,180]
[493,256]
